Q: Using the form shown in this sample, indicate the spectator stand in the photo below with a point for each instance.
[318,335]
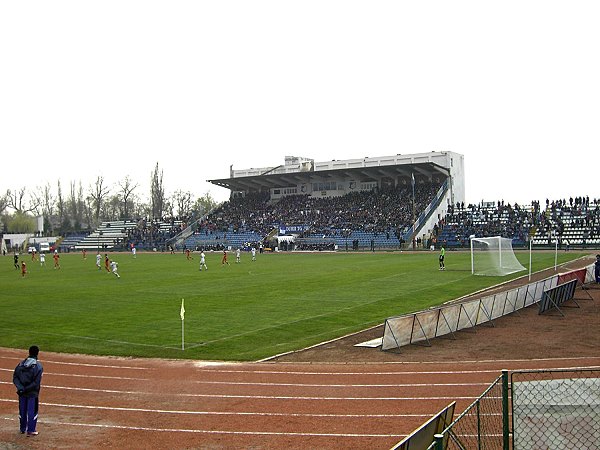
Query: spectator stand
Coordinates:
[575,224]
[368,220]
[486,219]
[69,243]
[108,236]
[118,235]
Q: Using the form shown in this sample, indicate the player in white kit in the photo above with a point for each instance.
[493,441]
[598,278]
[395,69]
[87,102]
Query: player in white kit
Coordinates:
[202,261]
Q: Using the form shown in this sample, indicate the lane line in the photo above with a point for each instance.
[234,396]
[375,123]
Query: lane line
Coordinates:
[73,375]
[224,413]
[77,364]
[437,372]
[243,433]
[271,397]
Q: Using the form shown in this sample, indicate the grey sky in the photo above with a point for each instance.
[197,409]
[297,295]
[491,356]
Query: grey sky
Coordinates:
[111,88]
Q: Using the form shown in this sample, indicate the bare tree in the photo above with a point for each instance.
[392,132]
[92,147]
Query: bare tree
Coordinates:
[111,209]
[61,205]
[76,205]
[127,197]
[204,204]
[183,203]
[3,202]
[16,201]
[157,193]
[88,211]
[46,203]
[98,192]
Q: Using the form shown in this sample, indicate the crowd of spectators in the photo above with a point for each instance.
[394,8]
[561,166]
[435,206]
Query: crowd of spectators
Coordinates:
[520,223]
[388,211]
[155,233]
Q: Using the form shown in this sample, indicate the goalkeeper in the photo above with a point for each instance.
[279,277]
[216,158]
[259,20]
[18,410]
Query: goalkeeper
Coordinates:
[441,258]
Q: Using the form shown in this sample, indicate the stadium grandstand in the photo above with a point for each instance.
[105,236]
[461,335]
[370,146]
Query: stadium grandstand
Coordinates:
[121,234]
[374,203]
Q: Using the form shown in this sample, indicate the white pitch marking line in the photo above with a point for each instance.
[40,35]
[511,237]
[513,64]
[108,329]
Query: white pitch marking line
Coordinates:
[247,433]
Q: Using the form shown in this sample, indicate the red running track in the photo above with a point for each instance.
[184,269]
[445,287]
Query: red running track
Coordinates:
[97,402]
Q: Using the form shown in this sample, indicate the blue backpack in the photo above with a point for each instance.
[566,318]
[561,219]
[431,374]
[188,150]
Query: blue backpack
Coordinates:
[26,373]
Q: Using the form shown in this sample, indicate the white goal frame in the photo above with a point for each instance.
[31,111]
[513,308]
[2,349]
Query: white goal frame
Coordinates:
[503,245]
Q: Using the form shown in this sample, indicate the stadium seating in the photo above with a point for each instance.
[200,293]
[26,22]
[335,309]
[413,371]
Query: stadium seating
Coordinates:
[380,216]
[573,225]
[365,220]
[120,234]
[70,242]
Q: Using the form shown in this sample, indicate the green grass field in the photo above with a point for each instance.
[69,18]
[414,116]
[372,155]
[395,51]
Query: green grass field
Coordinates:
[246,311]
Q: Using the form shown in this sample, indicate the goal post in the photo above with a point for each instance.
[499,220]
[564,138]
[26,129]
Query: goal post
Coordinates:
[493,256]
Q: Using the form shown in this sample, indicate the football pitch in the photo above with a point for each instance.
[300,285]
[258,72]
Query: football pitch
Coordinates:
[246,311]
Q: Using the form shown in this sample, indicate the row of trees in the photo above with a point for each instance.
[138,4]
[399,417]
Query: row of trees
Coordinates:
[73,209]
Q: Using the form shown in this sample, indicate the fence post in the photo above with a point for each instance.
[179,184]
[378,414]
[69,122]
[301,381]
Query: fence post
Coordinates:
[505,426]
[439,441]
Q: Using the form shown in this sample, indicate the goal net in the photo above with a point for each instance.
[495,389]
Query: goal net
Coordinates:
[493,256]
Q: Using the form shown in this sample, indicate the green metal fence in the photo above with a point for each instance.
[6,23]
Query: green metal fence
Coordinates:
[480,426]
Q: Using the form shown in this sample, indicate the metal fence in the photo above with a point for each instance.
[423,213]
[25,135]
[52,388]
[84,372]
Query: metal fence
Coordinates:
[539,409]
[481,425]
[557,409]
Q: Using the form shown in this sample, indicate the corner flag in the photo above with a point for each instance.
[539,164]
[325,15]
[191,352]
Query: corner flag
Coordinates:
[182,311]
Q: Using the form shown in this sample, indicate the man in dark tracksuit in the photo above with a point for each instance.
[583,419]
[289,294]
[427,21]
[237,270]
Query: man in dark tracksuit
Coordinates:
[27,378]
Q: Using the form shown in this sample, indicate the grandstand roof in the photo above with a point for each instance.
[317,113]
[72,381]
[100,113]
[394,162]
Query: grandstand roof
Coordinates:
[360,170]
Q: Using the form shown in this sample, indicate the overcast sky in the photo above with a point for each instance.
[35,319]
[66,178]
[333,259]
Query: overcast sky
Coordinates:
[111,88]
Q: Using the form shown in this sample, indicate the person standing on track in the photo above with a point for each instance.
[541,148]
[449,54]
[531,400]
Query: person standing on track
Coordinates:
[27,378]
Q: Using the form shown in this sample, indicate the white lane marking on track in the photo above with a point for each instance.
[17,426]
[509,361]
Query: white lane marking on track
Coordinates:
[248,433]
[83,364]
[437,372]
[72,375]
[250,383]
[242,383]
[224,413]
[279,397]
